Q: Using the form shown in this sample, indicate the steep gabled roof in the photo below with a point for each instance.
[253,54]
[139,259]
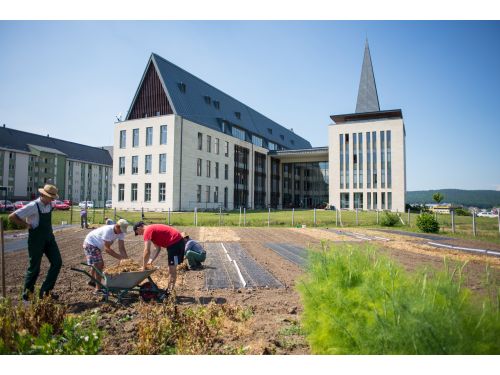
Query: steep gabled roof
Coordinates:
[22,141]
[200,102]
[367,93]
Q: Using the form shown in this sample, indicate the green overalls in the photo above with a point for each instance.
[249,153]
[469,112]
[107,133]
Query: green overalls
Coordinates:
[41,241]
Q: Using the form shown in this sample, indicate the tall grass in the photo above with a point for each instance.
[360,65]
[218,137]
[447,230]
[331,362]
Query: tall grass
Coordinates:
[358,302]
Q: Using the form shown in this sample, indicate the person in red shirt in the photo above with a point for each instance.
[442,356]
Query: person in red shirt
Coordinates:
[161,235]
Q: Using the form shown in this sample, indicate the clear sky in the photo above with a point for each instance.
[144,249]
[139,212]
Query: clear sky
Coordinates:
[70,79]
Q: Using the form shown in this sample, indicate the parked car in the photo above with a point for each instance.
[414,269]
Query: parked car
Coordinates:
[486,214]
[68,202]
[6,206]
[60,205]
[20,204]
[109,204]
[90,204]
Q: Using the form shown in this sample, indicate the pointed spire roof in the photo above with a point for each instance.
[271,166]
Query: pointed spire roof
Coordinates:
[367,93]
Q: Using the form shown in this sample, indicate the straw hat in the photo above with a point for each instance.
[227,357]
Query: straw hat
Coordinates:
[49,191]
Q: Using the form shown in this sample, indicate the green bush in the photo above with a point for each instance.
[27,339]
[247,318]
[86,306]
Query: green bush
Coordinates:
[462,212]
[389,220]
[43,327]
[357,302]
[426,223]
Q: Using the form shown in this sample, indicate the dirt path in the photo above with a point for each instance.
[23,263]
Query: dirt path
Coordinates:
[274,310]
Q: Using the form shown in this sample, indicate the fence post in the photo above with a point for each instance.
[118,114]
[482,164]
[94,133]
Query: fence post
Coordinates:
[474,223]
[169,216]
[3,258]
[314,216]
[269,217]
[357,222]
[239,222]
[453,221]
[93,214]
[498,213]
[293,214]
[104,213]
[71,215]
[336,217]
[194,217]
[377,217]
[244,216]
[220,216]
[114,219]
[409,224]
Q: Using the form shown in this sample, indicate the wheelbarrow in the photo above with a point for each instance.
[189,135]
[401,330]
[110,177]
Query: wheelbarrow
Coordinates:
[122,285]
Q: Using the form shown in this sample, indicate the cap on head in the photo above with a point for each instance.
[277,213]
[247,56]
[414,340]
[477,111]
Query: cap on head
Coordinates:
[49,191]
[123,225]
[138,225]
[184,234]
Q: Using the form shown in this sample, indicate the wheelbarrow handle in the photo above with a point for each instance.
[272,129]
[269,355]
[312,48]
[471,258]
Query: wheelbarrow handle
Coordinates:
[89,275]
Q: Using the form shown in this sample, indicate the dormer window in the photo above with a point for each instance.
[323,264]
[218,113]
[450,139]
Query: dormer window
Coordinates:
[270,131]
[238,115]
[216,104]
[282,136]
[292,141]
[182,87]
[208,99]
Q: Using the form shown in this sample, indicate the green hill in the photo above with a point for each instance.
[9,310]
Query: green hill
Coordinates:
[476,198]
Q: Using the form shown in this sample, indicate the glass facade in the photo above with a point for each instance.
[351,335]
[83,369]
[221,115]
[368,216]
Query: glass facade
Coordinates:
[135,138]
[305,185]
[149,136]
[341,166]
[355,161]
[368,161]
[389,167]
[382,159]
[163,134]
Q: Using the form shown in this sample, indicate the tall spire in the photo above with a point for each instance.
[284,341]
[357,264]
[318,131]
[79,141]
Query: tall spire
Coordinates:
[367,93]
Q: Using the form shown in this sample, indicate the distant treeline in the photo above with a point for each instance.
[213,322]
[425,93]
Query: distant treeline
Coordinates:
[475,198]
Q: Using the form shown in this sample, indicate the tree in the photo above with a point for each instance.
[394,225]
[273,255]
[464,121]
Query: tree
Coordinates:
[438,197]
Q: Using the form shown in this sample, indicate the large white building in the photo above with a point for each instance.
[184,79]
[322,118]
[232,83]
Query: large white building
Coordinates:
[185,144]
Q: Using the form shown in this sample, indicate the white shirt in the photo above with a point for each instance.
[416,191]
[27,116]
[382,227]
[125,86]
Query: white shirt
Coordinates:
[105,233]
[29,213]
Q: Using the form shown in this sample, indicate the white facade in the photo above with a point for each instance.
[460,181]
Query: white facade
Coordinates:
[388,193]
[185,188]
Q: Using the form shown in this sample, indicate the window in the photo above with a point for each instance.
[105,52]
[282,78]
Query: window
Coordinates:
[375,201]
[217,146]
[208,100]
[133,192]
[344,200]
[200,141]
[198,194]
[272,146]
[161,191]
[163,163]
[389,200]
[216,194]
[135,164]
[135,138]
[238,133]
[147,192]
[208,168]
[282,137]
[149,136]
[198,167]
[121,192]
[163,134]
[226,171]
[216,104]
[257,140]
[226,148]
[389,161]
[147,164]
[209,143]
[207,194]
[182,87]
[383,200]
[123,138]
[270,131]
[238,115]
[121,167]
[216,169]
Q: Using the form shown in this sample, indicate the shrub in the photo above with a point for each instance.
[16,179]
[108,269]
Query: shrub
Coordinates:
[462,212]
[426,223]
[43,327]
[389,220]
[356,302]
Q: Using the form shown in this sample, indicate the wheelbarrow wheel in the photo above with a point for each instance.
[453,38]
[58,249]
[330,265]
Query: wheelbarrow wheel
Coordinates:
[148,291]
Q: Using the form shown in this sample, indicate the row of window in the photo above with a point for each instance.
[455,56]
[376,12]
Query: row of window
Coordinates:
[371,198]
[208,169]
[148,167]
[208,190]
[209,145]
[162,188]
[148,137]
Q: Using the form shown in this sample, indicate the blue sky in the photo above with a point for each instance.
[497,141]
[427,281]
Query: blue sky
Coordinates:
[70,79]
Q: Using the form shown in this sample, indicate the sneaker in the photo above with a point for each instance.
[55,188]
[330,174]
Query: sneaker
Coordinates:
[51,295]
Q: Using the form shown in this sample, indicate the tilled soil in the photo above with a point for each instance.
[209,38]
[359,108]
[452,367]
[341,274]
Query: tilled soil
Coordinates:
[275,311]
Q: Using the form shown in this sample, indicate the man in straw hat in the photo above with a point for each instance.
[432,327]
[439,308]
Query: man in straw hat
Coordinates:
[101,239]
[37,215]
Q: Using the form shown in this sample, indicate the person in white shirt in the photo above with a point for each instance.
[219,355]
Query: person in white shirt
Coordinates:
[37,216]
[101,239]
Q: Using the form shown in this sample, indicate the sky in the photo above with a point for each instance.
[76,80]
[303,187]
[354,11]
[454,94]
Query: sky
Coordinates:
[70,79]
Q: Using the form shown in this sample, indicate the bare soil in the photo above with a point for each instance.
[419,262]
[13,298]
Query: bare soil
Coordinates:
[275,311]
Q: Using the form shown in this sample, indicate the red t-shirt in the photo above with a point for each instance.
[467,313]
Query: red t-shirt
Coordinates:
[161,235]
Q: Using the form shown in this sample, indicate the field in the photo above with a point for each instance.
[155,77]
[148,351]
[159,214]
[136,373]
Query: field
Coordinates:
[264,319]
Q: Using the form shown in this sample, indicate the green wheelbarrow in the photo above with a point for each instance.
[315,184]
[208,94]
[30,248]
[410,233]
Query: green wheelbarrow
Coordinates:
[123,285]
